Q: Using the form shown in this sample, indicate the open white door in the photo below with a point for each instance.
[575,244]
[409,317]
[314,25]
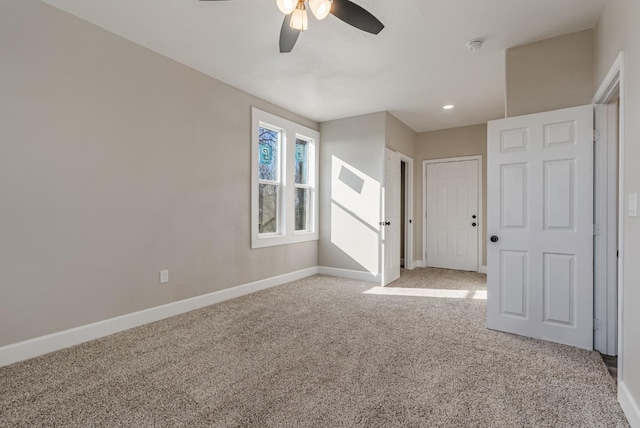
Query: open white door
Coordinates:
[540,223]
[391,219]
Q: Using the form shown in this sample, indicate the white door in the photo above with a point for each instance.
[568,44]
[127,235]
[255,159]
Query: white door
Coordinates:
[391,219]
[452,215]
[540,223]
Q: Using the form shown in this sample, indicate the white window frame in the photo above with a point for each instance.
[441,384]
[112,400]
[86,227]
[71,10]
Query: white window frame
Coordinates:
[290,131]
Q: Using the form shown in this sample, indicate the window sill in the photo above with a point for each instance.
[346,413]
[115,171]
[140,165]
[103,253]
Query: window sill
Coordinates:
[272,241]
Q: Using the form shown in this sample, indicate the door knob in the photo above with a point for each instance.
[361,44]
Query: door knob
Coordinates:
[473,224]
[493,238]
[473,216]
[387,223]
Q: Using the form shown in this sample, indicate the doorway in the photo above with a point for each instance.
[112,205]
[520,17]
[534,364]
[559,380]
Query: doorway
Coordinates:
[403,211]
[406,212]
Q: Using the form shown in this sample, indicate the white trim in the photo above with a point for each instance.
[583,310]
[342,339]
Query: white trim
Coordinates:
[52,342]
[418,263]
[480,206]
[349,274]
[615,80]
[630,407]
[483,269]
[621,217]
[610,81]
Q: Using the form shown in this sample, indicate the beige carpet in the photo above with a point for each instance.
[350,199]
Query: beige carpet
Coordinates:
[317,352]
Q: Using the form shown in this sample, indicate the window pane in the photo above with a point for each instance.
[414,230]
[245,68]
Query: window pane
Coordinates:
[302,208]
[268,147]
[267,208]
[302,161]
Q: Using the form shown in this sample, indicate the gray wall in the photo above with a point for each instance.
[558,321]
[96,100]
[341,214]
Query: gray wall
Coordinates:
[449,143]
[399,137]
[115,163]
[619,29]
[550,74]
[351,169]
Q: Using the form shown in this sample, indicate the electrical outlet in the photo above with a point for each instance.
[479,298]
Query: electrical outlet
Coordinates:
[164,276]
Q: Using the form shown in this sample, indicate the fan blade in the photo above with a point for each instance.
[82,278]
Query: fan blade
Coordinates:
[288,36]
[356,16]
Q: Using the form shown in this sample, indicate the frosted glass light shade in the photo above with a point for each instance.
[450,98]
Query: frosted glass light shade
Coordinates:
[286,6]
[299,20]
[320,8]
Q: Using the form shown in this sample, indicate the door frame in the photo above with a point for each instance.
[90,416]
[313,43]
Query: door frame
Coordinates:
[408,211]
[612,84]
[480,229]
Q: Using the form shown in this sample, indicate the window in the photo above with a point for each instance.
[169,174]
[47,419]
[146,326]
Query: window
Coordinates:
[284,195]
[302,185]
[268,180]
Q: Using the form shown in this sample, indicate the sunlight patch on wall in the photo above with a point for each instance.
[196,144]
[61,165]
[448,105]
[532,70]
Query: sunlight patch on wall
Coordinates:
[355,238]
[355,214]
[356,191]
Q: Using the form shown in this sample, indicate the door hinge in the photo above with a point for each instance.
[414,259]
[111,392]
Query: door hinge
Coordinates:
[596,229]
[596,324]
[596,136]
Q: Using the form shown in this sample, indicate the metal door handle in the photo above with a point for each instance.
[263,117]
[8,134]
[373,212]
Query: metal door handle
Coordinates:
[388,223]
[473,224]
[493,238]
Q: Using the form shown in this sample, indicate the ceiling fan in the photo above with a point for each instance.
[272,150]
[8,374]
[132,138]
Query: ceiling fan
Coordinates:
[296,20]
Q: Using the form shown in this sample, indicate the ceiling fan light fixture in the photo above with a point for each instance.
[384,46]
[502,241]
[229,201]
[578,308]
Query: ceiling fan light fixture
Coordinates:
[320,8]
[299,18]
[286,6]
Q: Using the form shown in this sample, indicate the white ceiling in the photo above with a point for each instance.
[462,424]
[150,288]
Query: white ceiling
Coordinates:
[417,64]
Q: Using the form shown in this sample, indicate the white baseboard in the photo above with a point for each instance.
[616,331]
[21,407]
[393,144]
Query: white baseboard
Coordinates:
[483,269]
[350,274]
[629,406]
[52,342]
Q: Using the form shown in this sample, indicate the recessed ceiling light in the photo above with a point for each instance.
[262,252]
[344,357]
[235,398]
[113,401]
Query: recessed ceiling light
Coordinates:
[448,107]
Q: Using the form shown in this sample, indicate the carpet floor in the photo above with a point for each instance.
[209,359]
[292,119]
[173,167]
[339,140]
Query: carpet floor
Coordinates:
[319,352]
